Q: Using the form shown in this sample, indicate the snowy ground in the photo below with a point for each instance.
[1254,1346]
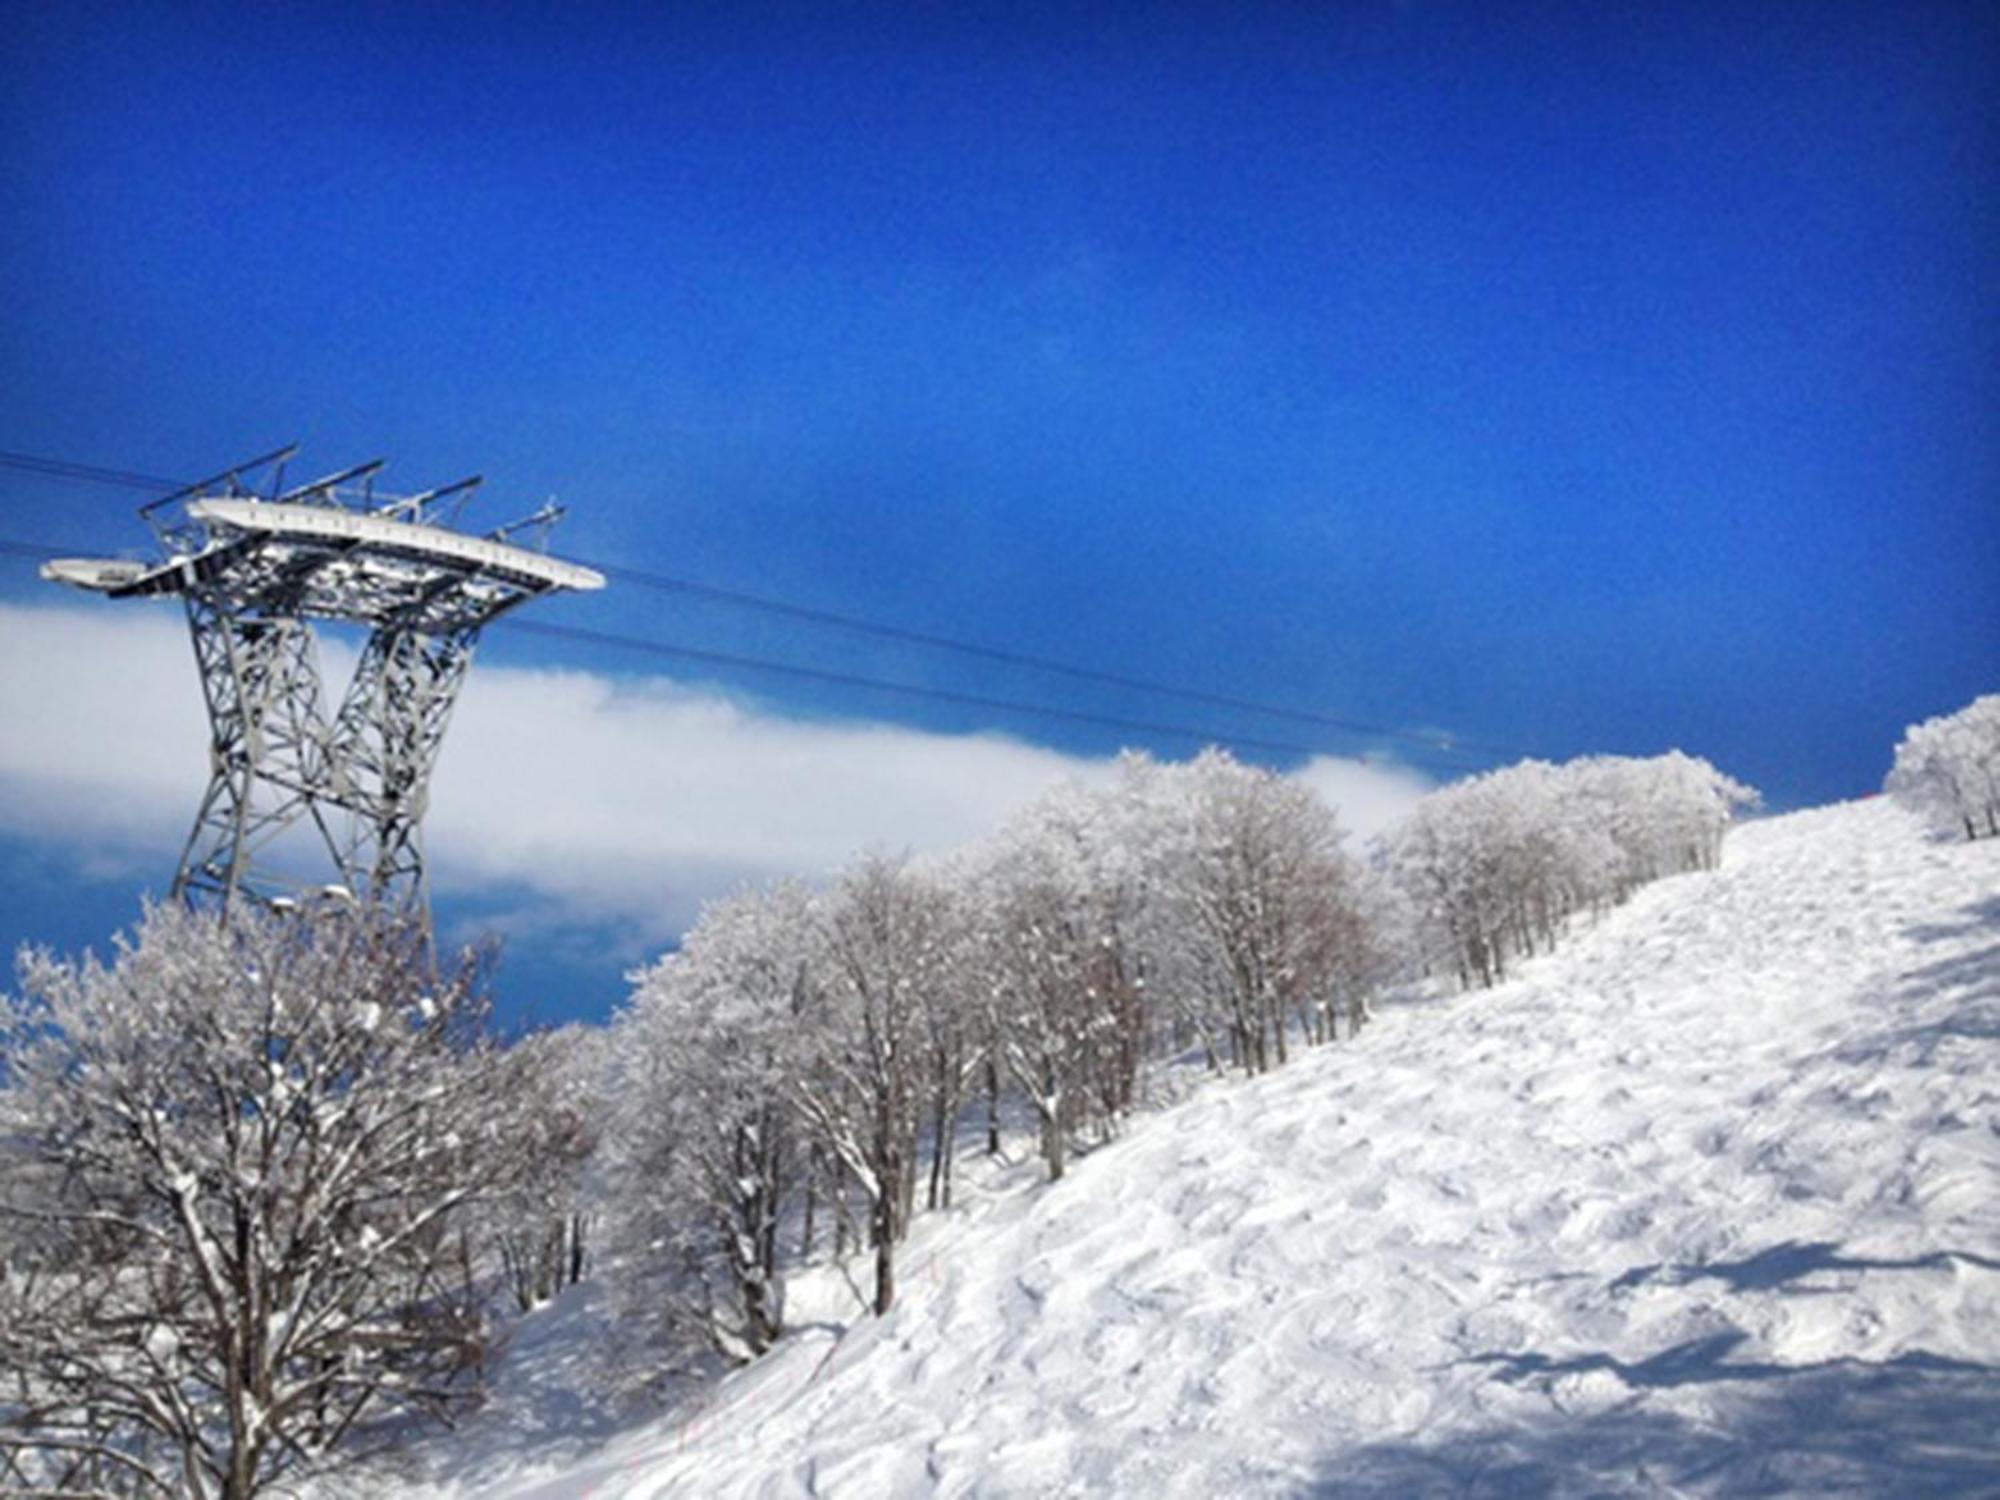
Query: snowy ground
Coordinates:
[1708,1202]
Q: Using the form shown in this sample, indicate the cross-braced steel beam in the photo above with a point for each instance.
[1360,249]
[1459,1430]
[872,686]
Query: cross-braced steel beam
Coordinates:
[387,739]
[268,747]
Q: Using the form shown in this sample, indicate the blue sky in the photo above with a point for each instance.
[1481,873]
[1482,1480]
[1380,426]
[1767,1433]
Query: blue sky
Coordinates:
[1574,378]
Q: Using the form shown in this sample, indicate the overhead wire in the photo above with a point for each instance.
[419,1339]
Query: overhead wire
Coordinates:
[62,468]
[1431,743]
[613,640]
[601,638]
[1036,663]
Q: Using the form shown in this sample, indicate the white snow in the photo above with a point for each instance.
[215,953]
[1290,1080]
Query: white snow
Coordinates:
[1709,1201]
[162,1343]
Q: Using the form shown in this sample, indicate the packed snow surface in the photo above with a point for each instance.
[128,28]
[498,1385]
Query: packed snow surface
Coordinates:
[1707,1202]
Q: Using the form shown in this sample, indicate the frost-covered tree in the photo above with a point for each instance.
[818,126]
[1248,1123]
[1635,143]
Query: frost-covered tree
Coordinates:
[1686,806]
[1033,958]
[769,1073]
[234,1162]
[1248,870]
[959,1038]
[712,1054]
[1355,946]
[1495,865]
[541,1227]
[1947,770]
[884,932]
[1058,899]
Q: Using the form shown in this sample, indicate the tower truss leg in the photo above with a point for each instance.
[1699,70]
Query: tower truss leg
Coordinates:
[268,763]
[362,781]
[391,726]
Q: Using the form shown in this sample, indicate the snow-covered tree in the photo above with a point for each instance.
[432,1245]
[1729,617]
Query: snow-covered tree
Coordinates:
[1033,955]
[541,1227]
[959,1037]
[884,933]
[709,1154]
[1947,770]
[1249,865]
[234,1163]
[1053,960]
[1495,865]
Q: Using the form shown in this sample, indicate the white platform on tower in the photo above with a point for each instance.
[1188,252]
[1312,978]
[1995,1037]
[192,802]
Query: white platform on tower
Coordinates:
[376,533]
[358,534]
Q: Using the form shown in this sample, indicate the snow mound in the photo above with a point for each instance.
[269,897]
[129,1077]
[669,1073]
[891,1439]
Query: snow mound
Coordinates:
[1709,1201]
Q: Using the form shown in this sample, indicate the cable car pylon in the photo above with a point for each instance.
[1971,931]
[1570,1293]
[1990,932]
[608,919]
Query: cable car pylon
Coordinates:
[256,572]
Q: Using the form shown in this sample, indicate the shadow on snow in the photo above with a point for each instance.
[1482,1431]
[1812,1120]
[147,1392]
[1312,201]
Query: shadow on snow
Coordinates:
[1781,1265]
[1915,1425]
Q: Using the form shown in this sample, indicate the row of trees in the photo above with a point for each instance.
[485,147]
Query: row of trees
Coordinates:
[1947,770]
[1495,866]
[267,1183]
[801,1071]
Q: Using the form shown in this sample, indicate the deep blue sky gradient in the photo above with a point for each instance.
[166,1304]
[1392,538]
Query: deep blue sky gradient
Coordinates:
[1575,377]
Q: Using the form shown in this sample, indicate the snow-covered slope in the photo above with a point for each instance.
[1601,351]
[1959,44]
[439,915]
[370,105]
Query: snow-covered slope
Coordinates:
[1707,1202]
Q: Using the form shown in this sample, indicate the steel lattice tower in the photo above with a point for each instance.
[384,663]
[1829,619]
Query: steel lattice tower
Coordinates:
[255,572]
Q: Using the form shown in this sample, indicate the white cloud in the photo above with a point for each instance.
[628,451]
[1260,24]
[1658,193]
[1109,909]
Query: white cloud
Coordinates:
[103,743]
[620,801]
[1372,795]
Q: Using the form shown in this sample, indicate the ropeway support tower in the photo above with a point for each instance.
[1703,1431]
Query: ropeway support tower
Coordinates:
[255,571]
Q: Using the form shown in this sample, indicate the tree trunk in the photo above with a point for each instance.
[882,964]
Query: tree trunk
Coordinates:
[812,1203]
[992,1106]
[240,1482]
[885,1252]
[939,1193]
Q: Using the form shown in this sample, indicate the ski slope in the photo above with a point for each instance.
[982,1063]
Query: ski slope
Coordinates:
[1707,1202]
